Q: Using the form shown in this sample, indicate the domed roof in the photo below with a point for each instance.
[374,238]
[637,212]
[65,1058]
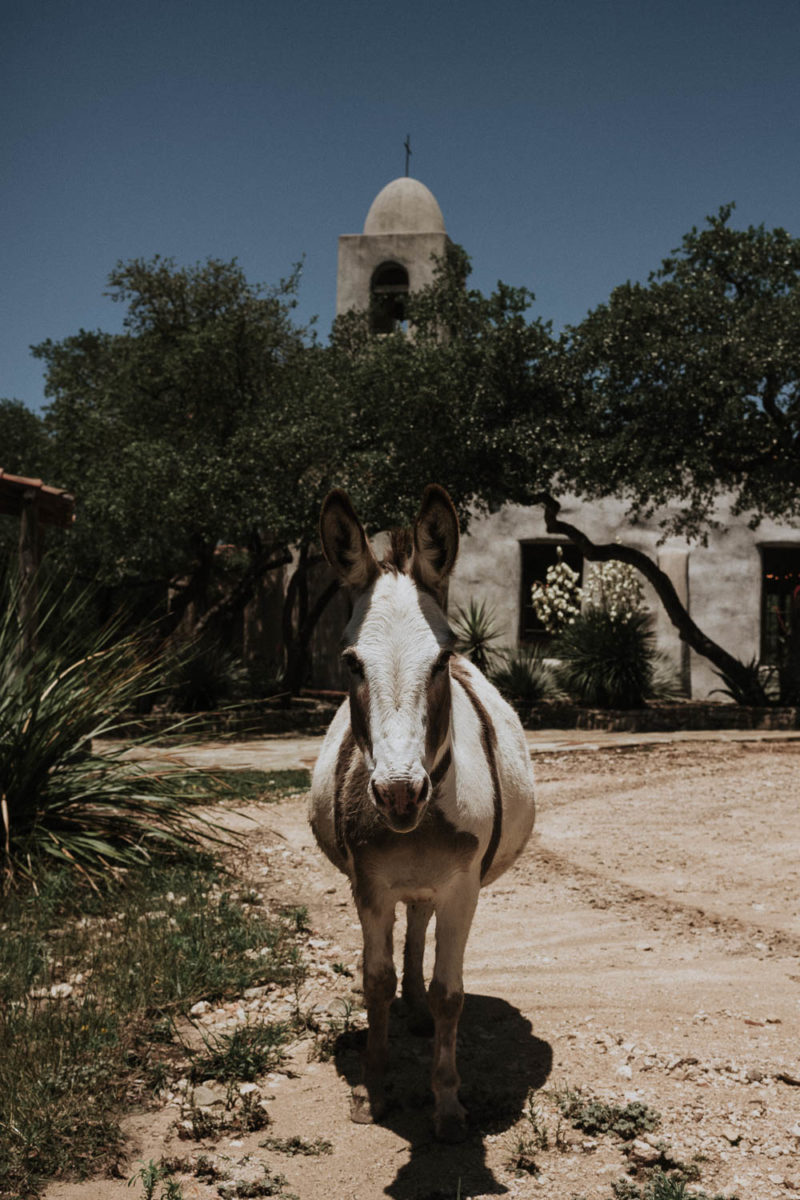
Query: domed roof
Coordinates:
[404,206]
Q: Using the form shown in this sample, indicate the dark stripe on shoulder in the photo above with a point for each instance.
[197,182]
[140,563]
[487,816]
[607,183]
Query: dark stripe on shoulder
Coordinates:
[343,761]
[489,743]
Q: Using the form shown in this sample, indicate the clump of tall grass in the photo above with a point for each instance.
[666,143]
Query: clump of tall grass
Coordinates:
[60,800]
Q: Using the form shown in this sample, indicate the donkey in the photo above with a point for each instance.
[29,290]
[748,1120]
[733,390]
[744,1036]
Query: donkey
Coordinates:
[423,790]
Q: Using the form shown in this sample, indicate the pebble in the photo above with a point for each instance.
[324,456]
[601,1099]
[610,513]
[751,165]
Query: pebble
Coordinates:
[197,1010]
[643,1152]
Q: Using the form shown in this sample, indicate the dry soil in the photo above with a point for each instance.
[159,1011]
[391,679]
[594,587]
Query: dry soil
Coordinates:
[645,947]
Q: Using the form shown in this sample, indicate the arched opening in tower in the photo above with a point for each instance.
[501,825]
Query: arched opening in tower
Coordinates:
[388,291]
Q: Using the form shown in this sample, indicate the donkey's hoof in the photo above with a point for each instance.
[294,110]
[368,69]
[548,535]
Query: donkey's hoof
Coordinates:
[365,1108]
[452,1127]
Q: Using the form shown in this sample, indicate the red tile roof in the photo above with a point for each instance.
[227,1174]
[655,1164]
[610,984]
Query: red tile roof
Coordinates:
[56,506]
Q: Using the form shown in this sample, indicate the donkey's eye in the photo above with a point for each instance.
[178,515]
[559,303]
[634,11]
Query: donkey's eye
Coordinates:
[353,664]
[442,661]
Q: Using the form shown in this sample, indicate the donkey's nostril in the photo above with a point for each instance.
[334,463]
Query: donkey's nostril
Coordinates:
[401,797]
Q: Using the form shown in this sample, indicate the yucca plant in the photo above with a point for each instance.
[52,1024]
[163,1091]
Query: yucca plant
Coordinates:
[476,630]
[523,677]
[59,798]
[606,661]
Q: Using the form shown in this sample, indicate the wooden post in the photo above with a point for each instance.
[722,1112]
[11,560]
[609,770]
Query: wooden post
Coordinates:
[29,558]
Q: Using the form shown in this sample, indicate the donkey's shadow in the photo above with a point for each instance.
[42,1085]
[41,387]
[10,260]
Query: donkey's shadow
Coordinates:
[499,1059]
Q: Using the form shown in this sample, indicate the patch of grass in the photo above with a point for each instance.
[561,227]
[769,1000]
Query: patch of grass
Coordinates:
[89,983]
[297,1145]
[244,1054]
[660,1187]
[596,1116]
[247,786]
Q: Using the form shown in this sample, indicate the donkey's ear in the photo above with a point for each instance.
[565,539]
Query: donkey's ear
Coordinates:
[344,542]
[435,539]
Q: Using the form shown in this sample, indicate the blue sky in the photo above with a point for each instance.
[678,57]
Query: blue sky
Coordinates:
[570,144]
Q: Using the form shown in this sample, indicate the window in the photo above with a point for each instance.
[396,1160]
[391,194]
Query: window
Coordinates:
[388,291]
[780,593]
[536,558]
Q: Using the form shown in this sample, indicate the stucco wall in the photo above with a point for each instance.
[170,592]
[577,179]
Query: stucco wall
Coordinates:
[723,578]
[360,254]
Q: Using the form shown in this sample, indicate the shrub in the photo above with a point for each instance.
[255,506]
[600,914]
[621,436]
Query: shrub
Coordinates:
[523,678]
[60,799]
[606,662]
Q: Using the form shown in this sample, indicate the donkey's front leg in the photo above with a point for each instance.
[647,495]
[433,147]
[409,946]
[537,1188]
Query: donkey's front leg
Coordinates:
[454,913]
[380,982]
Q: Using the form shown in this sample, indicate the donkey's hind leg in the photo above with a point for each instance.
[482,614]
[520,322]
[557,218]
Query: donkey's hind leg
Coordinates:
[419,913]
[380,983]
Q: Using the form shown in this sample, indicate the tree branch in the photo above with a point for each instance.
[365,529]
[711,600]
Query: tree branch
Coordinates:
[745,678]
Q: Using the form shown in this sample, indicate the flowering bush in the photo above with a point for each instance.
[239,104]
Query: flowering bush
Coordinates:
[615,588]
[557,601]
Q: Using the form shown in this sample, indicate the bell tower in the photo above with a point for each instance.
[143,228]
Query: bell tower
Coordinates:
[393,256]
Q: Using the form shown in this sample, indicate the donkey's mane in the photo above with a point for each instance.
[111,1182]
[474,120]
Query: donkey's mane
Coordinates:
[398,553]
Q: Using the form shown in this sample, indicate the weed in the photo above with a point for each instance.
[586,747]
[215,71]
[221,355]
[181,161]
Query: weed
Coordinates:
[596,1116]
[297,1145]
[267,1185]
[659,1187]
[340,969]
[150,1174]
[533,1137]
[327,1037]
[244,1054]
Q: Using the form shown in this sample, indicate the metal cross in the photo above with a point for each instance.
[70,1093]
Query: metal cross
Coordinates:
[407,145]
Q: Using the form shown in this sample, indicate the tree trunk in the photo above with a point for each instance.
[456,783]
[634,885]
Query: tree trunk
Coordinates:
[743,678]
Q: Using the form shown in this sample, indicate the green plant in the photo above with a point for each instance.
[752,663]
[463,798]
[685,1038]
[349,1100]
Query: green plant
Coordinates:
[523,677]
[734,688]
[244,1054]
[606,662]
[297,1145]
[61,800]
[149,1175]
[476,629]
[89,981]
[660,1187]
[596,1116]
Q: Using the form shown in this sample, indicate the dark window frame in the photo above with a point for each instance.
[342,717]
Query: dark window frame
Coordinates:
[780,577]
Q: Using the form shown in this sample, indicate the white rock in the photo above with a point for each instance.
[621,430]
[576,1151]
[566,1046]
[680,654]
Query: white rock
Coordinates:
[643,1152]
[624,1072]
[60,991]
[197,1010]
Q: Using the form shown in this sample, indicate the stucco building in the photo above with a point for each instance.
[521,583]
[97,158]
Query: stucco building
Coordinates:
[738,588]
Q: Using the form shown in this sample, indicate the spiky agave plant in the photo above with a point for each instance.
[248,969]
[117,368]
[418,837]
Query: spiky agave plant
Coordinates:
[60,799]
[476,629]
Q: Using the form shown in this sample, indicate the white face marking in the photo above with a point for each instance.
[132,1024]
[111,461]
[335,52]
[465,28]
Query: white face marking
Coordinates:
[398,635]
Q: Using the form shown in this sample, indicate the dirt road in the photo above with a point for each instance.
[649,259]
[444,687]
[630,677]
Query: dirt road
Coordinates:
[644,948]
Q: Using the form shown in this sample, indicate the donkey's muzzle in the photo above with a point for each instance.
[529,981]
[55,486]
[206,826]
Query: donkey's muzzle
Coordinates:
[401,802]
